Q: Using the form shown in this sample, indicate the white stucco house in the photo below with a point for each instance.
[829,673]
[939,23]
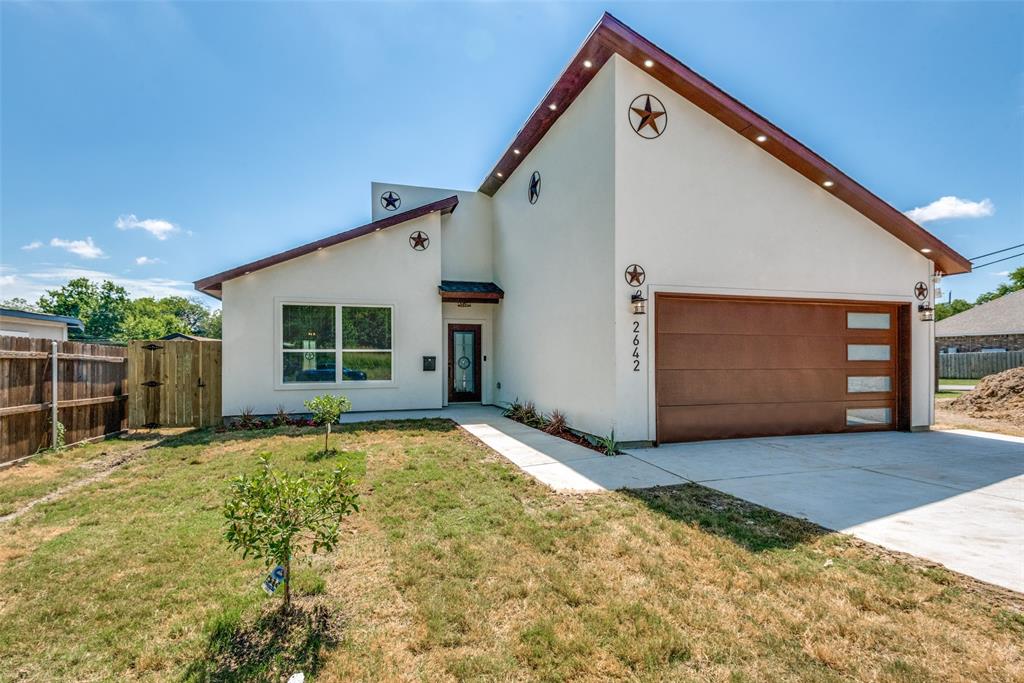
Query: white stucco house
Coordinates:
[648,256]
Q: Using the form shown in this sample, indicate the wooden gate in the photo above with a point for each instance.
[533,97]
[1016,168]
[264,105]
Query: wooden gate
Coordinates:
[174,383]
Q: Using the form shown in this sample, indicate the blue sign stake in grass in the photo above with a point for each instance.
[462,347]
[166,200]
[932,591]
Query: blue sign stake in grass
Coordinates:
[273,580]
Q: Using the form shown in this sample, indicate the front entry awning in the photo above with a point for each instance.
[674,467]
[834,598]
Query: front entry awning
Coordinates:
[459,291]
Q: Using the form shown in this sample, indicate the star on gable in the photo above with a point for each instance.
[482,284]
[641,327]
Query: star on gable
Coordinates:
[419,240]
[635,275]
[645,115]
[390,200]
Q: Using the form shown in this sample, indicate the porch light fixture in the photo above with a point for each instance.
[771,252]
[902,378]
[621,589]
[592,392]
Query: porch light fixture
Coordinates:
[639,303]
[927,312]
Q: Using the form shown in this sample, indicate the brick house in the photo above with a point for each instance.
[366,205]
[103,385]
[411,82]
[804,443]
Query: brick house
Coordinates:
[994,326]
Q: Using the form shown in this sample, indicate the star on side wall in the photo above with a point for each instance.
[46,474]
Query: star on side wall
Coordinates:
[644,116]
[419,240]
[635,275]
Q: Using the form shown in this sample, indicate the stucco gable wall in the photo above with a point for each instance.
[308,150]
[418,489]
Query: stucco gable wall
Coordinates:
[553,330]
[380,268]
[467,248]
[701,208]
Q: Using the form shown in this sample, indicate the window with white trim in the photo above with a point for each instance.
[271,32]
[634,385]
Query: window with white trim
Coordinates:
[313,350]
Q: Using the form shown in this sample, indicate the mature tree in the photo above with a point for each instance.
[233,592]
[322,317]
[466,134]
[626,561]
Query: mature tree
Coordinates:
[944,310]
[213,326]
[101,308]
[149,318]
[1016,283]
[19,304]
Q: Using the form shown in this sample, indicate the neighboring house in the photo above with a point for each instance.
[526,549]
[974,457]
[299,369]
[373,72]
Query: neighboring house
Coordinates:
[997,325]
[781,297]
[15,323]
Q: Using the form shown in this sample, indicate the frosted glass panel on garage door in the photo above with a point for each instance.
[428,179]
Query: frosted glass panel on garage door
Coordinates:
[868,321]
[867,352]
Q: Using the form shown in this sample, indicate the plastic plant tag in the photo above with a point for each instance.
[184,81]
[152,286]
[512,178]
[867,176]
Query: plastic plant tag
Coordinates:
[273,580]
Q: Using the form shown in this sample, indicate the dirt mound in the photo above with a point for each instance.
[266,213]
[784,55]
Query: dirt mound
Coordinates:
[999,396]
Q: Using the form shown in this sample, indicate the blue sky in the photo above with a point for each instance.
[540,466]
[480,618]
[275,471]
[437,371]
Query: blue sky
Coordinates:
[155,143]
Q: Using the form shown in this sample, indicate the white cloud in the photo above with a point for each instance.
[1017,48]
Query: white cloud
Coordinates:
[32,245]
[147,261]
[951,207]
[157,227]
[32,284]
[84,248]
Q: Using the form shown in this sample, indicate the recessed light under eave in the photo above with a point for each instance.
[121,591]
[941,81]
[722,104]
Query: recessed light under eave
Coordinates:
[761,138]
[648,63]
[587,63]
[926,250]
[552,106]
[828,183]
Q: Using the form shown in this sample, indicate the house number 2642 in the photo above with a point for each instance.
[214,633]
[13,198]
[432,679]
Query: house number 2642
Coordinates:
[636,346]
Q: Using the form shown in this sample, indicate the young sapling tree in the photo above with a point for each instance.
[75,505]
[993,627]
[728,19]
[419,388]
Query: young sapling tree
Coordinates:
[327,410]
[273,516]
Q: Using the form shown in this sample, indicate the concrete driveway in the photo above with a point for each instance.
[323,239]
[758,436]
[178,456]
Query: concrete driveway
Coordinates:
[954,497]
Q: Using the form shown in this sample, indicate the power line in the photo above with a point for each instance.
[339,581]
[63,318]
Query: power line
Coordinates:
[1007,258]
[975,258]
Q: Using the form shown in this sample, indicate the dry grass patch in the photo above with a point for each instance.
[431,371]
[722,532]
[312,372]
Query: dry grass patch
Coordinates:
[459,567]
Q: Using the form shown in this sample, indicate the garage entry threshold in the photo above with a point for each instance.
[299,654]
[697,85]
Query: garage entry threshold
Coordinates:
[953,497]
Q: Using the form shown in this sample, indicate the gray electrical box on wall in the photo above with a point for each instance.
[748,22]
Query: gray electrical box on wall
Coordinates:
[429,363]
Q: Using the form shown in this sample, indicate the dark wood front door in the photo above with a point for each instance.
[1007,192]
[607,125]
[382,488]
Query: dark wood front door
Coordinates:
[739,367]
[463,363]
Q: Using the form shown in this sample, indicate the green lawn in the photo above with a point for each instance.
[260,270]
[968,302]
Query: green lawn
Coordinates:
[459,567]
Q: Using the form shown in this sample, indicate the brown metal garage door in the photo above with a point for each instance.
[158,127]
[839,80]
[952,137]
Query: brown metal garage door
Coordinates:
[736,367]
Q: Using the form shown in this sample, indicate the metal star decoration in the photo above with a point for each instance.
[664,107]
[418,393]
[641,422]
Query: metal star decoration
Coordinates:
[635,275]
[921,291]
[535,187]
[419,240]
[644,119]
[390,200]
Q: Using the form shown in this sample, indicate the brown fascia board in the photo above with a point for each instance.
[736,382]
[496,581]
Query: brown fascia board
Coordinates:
[611,36]
[212,285]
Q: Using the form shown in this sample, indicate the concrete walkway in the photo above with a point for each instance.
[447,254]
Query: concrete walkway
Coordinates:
[556,463]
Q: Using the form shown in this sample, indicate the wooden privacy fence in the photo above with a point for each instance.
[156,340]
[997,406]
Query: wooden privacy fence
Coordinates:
[174,383]
[975,365]
[90,386]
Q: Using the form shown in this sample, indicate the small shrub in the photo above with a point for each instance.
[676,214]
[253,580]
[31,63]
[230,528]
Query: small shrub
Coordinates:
[608,444]
[327,409]
[281,418]
[273,515]
[530,416]
[247,418]
[514,410]
[556,423]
